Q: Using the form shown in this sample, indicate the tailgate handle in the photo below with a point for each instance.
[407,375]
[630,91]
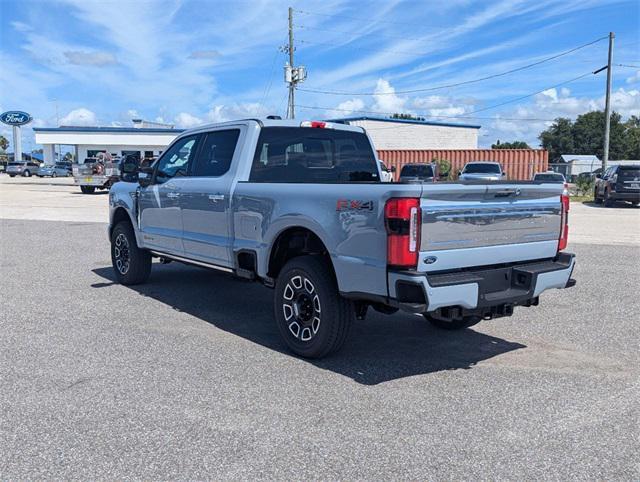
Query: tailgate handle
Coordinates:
[507,193]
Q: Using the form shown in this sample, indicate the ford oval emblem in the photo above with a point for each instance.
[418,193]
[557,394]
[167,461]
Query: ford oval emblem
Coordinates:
[430,260]
[15,118]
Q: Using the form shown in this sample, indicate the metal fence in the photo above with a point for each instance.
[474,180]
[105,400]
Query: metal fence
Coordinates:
[519,164]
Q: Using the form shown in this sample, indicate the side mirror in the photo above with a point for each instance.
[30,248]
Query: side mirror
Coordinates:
[144,176]
[598,176]
[392,169]
[459,173]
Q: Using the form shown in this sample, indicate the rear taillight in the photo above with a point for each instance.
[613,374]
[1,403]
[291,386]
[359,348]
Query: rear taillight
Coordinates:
[564,222]
[402,220]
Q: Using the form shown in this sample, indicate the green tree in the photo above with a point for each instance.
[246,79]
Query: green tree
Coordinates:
[4,143]
[632,138]
[558,138]
[588,135]
[510,145]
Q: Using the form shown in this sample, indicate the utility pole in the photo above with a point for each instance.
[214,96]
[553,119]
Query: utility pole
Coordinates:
[292,75]
[291,111]
[607,107]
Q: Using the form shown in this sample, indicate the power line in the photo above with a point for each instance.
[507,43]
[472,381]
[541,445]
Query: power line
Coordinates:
[468,115]
[343,32]
[466,82]
[372,49]
[627,65]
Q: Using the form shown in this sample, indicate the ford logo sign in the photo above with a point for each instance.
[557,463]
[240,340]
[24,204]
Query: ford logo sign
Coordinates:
[15,118]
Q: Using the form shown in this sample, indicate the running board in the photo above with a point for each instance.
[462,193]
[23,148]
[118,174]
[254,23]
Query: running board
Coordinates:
[191,261]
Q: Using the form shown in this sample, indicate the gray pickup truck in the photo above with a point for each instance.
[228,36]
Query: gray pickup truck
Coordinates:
[300,207]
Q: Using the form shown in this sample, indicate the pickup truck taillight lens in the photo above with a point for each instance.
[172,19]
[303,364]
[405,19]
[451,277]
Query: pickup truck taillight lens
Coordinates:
[564,222]
[402,220]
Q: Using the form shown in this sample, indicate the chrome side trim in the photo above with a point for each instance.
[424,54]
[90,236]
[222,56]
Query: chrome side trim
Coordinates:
[191,261]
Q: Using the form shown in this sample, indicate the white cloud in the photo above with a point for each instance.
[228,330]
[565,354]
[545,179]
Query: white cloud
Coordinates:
[517,124]
[443,106]
[223,113]
[634,79]
[21,26]
[204,54]
[186,120]
[93,59]
[79,117]
[348,107]
[386,99]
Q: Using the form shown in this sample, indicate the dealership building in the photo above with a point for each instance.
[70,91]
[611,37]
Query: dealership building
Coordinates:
[147,139]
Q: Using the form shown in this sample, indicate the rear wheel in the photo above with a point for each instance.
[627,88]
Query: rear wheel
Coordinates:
[88,189]
[54,175]
[312,317]
[466,322]
[131,264]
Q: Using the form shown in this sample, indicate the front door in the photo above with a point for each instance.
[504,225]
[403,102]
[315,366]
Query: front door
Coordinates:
[159,203]
[206,196]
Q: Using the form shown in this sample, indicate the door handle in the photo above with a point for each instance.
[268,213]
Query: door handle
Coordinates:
[216,197]
[173,195]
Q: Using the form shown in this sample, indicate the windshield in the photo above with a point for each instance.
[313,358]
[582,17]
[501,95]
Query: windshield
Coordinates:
[416,170]
[629,173]
[549,177]
[301,154]
[482,168]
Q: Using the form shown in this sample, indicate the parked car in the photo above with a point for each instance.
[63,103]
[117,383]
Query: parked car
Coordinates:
[63,170]
[419,173]
[300,207]
[549,176]
[619,183]
[25,169]
[386,174]
[99,172]
[482,171]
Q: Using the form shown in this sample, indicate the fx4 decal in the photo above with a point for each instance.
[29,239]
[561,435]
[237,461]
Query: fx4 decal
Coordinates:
[354,205]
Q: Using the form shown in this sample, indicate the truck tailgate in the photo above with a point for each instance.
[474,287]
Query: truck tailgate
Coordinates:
[472,224]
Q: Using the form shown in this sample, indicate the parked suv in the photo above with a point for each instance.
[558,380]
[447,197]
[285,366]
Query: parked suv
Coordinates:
[25,169]
[619,183]
[419,173]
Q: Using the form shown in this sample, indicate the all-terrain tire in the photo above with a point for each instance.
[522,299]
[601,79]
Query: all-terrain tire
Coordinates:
[88,189]
[312,318]
[131,264]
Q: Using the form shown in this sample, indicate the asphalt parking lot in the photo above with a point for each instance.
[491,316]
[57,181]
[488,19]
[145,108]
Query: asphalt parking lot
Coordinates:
[185,377]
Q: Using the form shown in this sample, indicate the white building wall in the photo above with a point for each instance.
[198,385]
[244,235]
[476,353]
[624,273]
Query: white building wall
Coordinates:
[82,150]
[404,136]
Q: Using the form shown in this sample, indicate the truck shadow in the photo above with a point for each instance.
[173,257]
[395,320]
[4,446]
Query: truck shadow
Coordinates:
[380,348]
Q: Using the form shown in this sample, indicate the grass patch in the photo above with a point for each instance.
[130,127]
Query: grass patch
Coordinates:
[581,199]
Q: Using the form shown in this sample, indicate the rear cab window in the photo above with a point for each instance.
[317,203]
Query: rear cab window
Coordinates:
[629,173]
[417,171]
[482,168]
[309,155]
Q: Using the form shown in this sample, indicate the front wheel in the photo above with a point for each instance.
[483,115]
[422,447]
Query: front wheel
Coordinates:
[54,175]
[131,264]
[26,173]
[312,317]
[88,189]
[466,322]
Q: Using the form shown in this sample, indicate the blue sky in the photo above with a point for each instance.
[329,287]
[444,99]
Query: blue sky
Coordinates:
[188,62]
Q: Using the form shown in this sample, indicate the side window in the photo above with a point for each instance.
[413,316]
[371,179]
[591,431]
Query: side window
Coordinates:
[216,153]
[175,161]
